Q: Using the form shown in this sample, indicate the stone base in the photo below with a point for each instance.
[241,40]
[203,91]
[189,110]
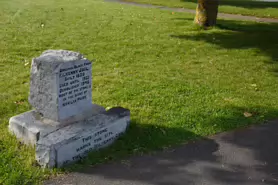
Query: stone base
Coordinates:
[29,127]
[59,144]
[73,142]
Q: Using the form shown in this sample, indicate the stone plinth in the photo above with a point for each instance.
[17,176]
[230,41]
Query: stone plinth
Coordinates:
[65,125]
[73,142]
[30,126]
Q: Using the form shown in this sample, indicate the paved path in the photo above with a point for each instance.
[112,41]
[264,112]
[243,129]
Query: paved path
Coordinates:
[220,15]
[242,157]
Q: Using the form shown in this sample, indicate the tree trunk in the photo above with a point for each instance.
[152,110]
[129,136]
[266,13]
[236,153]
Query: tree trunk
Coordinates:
[206,12]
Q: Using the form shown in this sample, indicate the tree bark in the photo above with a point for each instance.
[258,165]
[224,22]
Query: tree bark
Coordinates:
[206,12]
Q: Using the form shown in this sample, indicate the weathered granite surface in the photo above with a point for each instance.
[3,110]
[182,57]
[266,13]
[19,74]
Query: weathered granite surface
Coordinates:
[60,85]
[64,125]
[30,126]
[73,142]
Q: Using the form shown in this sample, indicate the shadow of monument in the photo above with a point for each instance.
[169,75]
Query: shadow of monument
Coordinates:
[155,167]
[244,156]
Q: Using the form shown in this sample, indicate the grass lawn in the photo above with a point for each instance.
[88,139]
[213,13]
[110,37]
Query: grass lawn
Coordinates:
[179,82]
[244,7]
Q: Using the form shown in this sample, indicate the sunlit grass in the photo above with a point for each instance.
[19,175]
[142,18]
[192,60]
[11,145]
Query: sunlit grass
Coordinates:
[244,7]
[179,82]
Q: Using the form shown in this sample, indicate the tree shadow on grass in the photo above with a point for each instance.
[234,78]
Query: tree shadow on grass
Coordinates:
[245,156]
[240,35]
[244,3]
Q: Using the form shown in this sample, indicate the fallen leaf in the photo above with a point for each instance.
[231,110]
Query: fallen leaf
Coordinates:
[247,114]
[228,99]
[19,102]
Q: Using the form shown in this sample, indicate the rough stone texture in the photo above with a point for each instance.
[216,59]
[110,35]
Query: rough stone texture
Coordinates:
[30,126]
[73,142]
[65,125]
[60,85]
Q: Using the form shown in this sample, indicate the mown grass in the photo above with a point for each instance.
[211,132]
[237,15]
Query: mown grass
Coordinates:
[243,7]
[179,82]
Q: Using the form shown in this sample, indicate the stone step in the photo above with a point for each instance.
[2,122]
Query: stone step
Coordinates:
[73,142]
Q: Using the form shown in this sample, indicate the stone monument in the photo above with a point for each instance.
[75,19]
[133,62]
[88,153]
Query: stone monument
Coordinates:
[64,125]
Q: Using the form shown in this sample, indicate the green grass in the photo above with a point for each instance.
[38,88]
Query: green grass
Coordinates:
[244,7]
[179,82]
